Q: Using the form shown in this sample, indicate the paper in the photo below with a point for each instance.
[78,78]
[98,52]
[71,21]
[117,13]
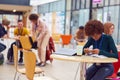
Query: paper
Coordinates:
[99,56]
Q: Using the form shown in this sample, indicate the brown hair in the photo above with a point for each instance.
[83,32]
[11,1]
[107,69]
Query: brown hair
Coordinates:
[107,27]
[81,33]
[93,27]
[5,22]
[33,17]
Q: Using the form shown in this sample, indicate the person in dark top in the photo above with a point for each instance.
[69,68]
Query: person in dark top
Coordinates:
[3,34]
[102,45]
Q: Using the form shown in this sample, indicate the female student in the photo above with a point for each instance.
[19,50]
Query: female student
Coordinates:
[102,45]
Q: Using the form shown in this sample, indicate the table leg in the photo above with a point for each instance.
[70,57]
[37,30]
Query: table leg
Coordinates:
[82,70]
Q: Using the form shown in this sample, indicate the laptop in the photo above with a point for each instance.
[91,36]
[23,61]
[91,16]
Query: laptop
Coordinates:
[66,51]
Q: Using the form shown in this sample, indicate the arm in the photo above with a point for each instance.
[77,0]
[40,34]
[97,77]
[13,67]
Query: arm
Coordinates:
[87,45]
[113,50]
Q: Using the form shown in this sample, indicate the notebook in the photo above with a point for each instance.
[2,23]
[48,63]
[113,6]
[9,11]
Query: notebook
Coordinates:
[66,51]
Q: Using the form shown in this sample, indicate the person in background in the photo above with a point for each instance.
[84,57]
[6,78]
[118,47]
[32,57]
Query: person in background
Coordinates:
[41,31]
[19,31]
[102,45]
[108,30]
[80,34]
[6,23]
[3,34]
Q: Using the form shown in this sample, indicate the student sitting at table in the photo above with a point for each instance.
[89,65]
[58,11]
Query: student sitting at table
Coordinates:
[108,30]
[102,45]
[80,34]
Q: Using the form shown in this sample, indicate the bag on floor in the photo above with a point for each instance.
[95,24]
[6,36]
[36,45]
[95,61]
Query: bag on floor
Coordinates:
[1,58]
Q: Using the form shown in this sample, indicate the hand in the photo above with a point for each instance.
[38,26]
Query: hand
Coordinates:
[5,36]
[95,51]
[86,50]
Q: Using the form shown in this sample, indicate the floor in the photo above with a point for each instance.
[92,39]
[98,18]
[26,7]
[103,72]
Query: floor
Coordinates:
[58,70]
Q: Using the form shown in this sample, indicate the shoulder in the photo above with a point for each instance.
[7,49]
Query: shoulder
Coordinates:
[24,28]
[107,36]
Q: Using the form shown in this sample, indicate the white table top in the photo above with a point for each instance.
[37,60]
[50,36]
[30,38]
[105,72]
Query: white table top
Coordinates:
[84,58]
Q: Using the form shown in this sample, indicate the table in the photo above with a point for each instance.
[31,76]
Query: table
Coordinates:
[83,59]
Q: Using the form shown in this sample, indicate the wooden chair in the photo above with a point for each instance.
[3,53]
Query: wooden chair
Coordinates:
[22,70]
[18,70]
[25,42]
[30,63]
[66,39]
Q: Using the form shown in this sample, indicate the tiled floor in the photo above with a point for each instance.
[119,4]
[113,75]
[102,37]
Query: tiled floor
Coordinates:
[59,70]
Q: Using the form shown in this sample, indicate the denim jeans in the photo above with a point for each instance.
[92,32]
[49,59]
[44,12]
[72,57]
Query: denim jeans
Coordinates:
[99,71]
[2,47]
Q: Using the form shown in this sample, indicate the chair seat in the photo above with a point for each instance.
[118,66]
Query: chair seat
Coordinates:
[37,70]
[22,70]
[43,78]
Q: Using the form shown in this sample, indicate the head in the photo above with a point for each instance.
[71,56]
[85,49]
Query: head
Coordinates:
[81,27]
[108,28]
[33,18]
[94,29]
[20,24]
[5,22]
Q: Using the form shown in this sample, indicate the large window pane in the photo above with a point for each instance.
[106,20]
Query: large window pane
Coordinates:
[112,14]
[77,4]
[69,4]
[87,3]
[82,3]
[114,2]
[106,2]
[83,16]
[73,4]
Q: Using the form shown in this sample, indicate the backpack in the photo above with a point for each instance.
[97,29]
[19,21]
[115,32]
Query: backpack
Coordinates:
[10,54]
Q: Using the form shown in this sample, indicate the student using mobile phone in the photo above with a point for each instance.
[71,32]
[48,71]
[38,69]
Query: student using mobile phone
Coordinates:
[102,45]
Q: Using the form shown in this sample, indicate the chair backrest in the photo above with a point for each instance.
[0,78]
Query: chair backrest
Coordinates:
[66,39]
[81,43]
[25,42]
[30,63]
[15,52]
[56,37]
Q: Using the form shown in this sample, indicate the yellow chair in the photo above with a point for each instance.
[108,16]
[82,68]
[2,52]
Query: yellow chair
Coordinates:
[22,70]
[30,63]
[56,38]
[25,42]
[19,70]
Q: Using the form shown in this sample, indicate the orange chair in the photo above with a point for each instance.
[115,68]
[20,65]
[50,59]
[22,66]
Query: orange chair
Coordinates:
[66,39]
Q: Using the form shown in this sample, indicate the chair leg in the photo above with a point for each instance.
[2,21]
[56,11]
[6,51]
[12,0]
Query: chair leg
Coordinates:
[18,76]
[77,71]
[15,75]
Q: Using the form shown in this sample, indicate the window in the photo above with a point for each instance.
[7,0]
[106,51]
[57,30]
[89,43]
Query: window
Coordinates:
[106,2]
[114,2]
[73,4]
[77,4]
[82,3]
[87,3]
